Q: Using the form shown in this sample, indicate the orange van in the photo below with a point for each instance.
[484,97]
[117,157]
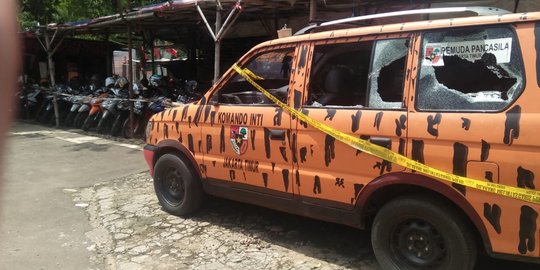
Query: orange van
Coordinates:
[457,97]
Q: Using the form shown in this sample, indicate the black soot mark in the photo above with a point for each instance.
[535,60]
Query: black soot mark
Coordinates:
[401,148]
[212,118]
[340,182]
[303,58]
[265,179]
[177,125]
[303,153]
[200,146]
[232,175]
[525,178]
[174,115]
[162,114]
[357,189]
[378,120]
[285,174]
[384,165]
[297,177]
[355,121]
[273,166]
[190,144]
[459,161]
[511,125]
[189,121]
[208,143]
[306,112]
[198,112]
[222,140]
[180,138]
[418,151]
[267,142]
[157,127]
[485,151]
[330,113]
[277,117]
[466,123]
[283,151]
[297,99]
[489,176]
[493,215]
[365,138]
[253,139]
[401,125]
[184,112]
[432,122]
[329,150]
[207,112]
[527,229]
[166,131]
[317,185]
[293,148]
[213,163]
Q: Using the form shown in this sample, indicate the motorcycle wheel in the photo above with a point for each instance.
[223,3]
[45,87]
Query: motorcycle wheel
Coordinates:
[90,121]
[70,118]
[118,125]
[79,119]
[40,111]
[104,125]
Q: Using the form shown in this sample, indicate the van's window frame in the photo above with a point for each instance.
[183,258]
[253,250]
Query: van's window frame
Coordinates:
[499,26]
[374,39]
[249,58]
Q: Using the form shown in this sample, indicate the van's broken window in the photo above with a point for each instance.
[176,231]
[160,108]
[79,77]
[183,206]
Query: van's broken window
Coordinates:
[469,69]
[387,73]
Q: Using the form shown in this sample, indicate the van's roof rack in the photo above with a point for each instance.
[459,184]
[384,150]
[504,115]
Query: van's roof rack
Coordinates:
[479,11]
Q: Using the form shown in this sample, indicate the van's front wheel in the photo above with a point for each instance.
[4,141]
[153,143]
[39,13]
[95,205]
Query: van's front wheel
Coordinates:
[177,187]
[422,233]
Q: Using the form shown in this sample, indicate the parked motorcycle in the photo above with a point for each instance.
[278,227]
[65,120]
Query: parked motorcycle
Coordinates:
[110,106]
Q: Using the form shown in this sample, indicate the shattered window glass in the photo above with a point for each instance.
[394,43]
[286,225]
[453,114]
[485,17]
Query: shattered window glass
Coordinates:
[387,73]
[469,69]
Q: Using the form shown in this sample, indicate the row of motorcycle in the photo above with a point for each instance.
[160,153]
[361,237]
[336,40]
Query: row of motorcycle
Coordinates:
[104,108]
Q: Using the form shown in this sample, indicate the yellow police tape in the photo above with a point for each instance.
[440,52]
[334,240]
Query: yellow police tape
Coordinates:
[527,195]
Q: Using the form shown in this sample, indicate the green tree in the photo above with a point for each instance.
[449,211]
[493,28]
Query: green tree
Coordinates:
[58,11]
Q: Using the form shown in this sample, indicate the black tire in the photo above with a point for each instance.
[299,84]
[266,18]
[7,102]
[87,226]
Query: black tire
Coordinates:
[415,232]
[177,186]
[104,125]
[45,117]
[70,118]
[89,122]
[118,125]
[79,119]
[40,111]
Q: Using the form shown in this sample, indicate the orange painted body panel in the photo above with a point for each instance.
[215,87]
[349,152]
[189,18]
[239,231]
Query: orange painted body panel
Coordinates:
[306,164]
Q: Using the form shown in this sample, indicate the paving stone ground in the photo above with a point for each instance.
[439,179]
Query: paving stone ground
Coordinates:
[131,231]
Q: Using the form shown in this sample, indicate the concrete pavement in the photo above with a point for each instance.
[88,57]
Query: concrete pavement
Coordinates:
[40,228]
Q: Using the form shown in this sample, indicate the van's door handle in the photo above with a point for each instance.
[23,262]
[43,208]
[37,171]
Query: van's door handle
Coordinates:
[277,134]
[381,141]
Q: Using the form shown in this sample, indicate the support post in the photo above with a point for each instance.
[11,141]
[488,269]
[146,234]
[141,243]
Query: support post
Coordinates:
[217,47]
[52,77]
[109,57]
[130,79]
[312,10]
[153,54]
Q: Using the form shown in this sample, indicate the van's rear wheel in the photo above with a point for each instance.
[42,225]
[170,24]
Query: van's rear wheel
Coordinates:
[177,187]
[422,233]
